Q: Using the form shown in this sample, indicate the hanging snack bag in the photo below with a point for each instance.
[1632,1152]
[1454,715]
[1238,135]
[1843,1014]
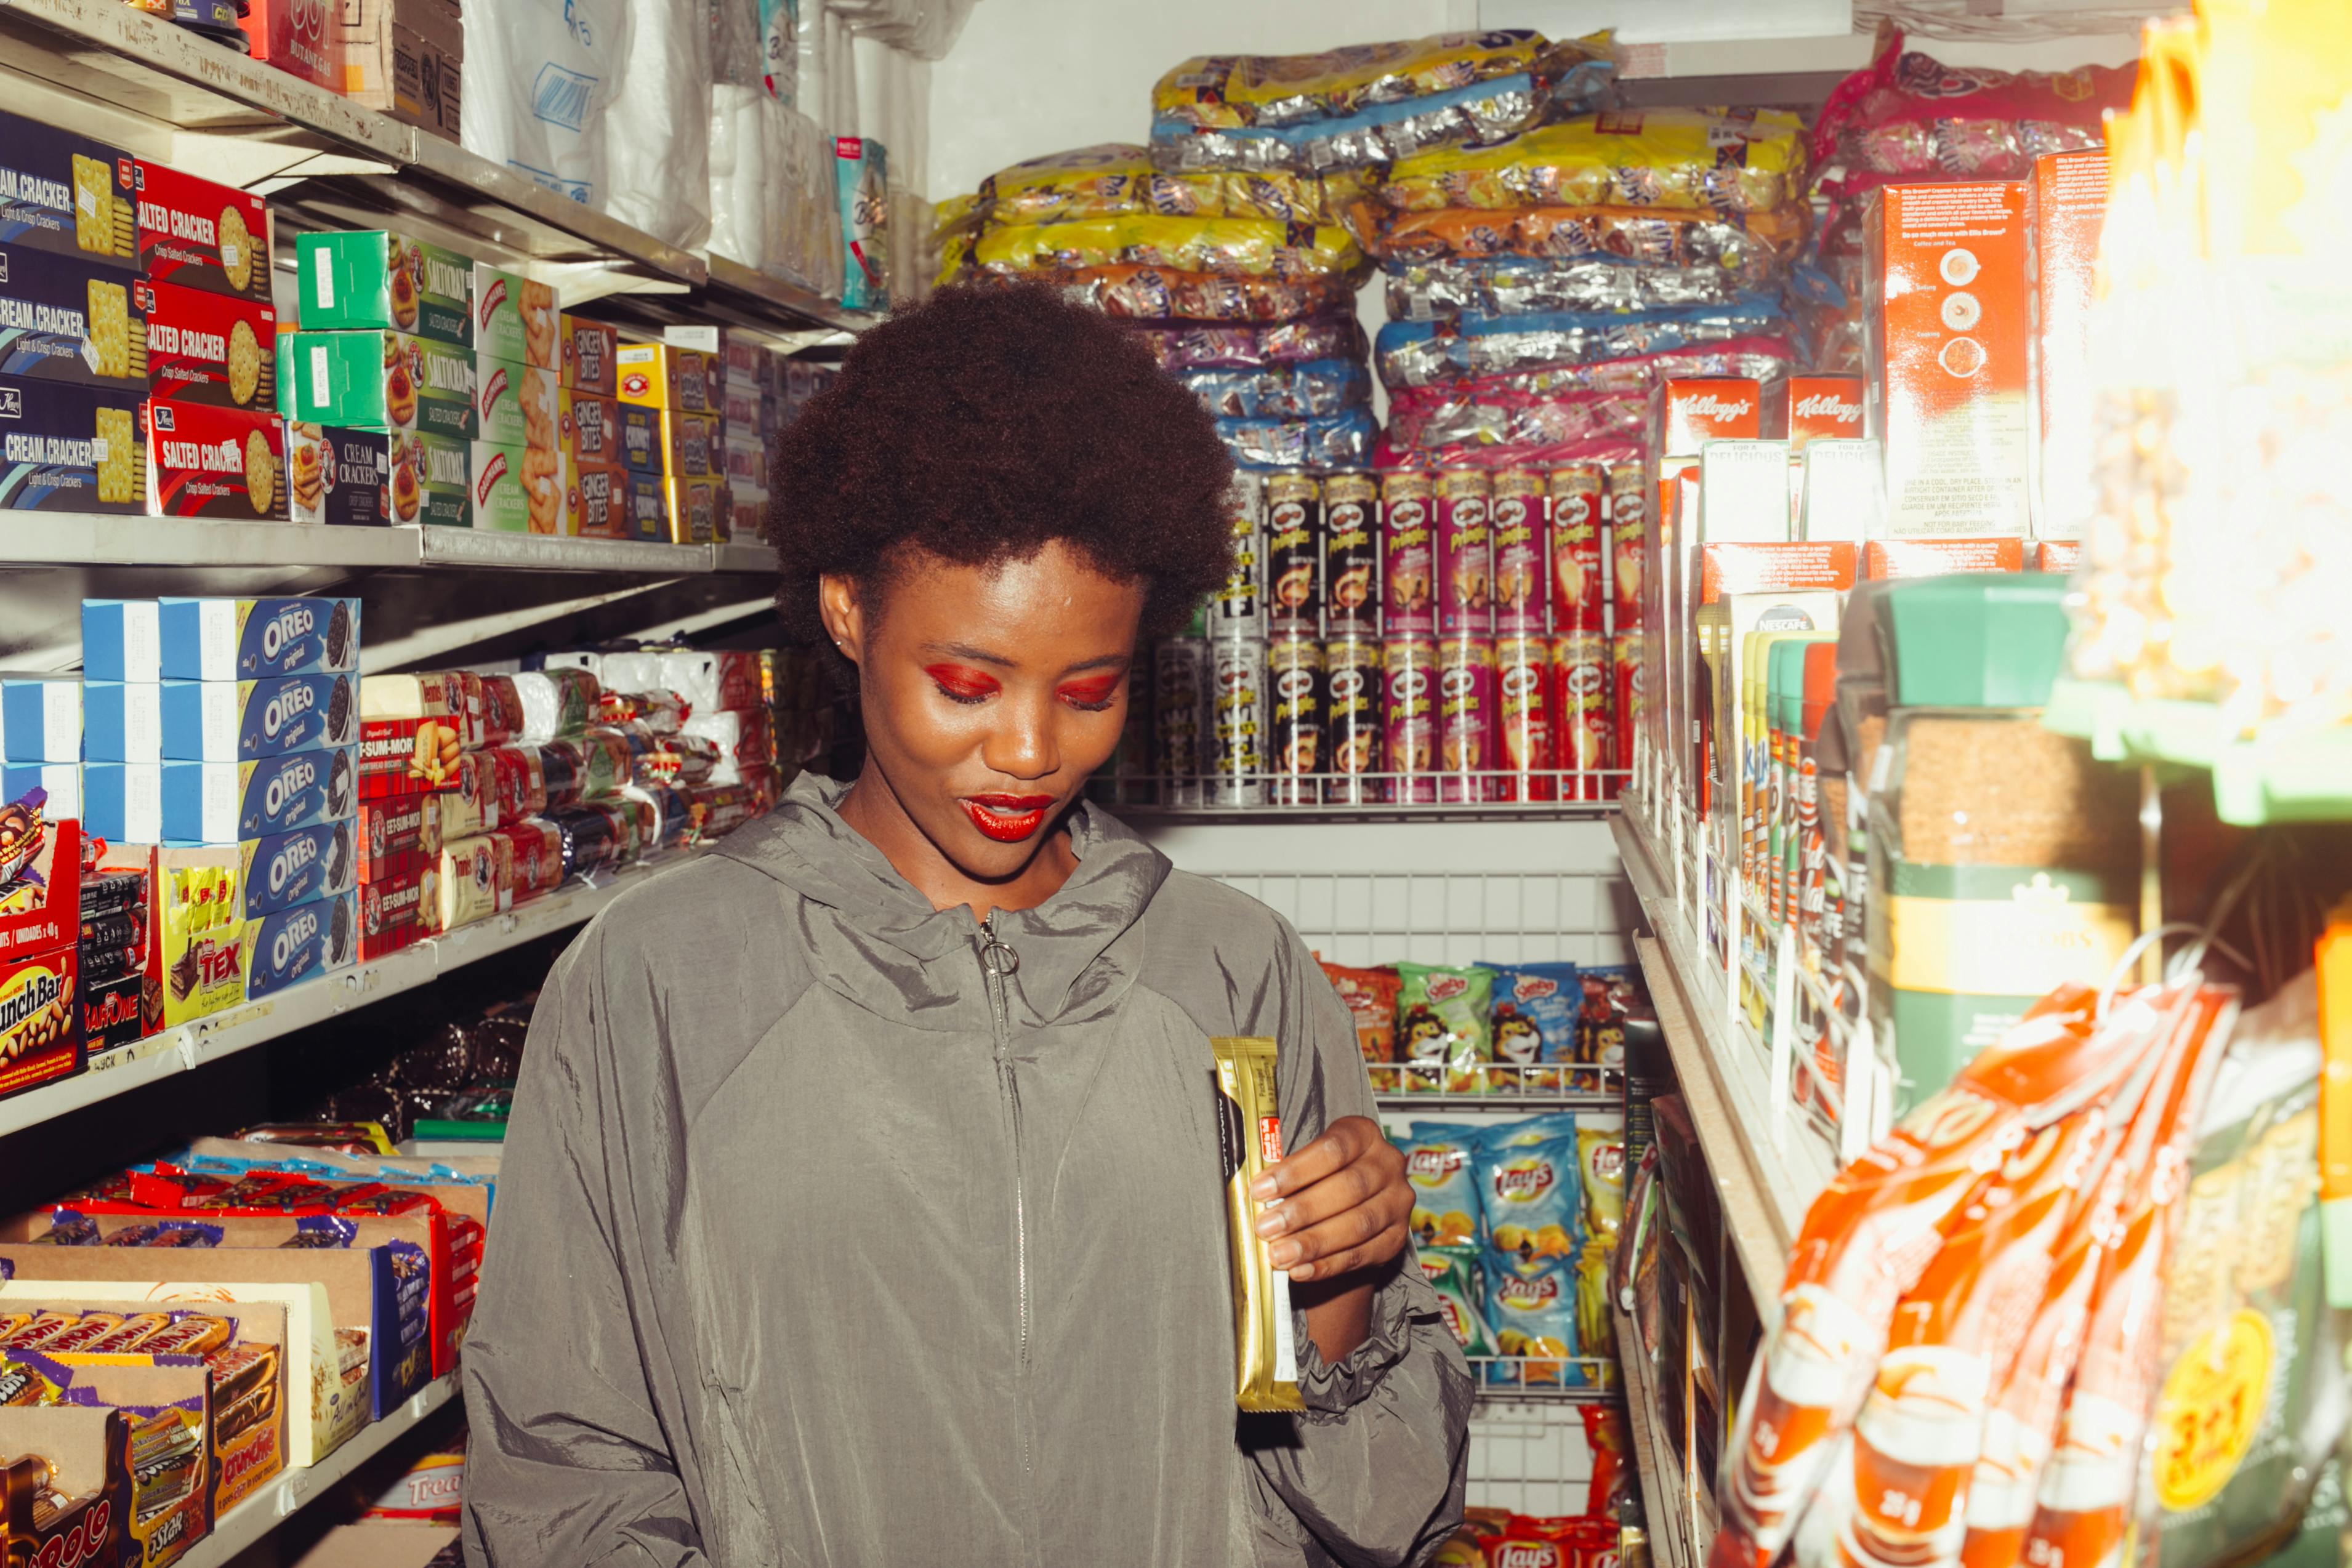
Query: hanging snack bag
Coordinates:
[1534,1314]
[1372,996]
[1460,1295]
[1601,1187]
[1528,1187]
[1535,1015]
[1441,1162]
[1442,1026]
[1609,993]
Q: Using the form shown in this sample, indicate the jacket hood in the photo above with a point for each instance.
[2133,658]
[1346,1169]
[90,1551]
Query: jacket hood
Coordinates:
[881,944]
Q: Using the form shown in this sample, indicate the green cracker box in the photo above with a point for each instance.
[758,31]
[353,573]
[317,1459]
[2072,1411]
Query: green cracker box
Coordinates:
[441,471]
[515,404]
[515,319]
[517,490]
[379,380]
[375,277]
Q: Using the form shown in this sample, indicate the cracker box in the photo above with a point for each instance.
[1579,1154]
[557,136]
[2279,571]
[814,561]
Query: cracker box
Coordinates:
[591,354]
[1934,556]
[297,38]
[379,278]
[641,439]
[121,721]
[392,909]
[200,235]
[211,347]
[517,490]
[588,427]
[207,462]
[286,869]
[66,194]
[227,802]
[40,718]
[2066,208]
[659,375]
[405,59]
[408,756]
[40,931]
[300,944]
[1943,335]
[690,444]
[648,510]
[435,484]
[233,721]
[71,449]
[596,500]
[397,835]
[65,319]
[342,476]
[252,639]
[515,319]
[515,405]
[379,380]
[202,960]
[691,508]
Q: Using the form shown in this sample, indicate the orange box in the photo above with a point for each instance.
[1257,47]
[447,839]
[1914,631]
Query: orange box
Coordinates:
[1820,406]
[1691,412]
[1728,568]
[1944,337]
[2057,554]
[2065,208]
[1935,558]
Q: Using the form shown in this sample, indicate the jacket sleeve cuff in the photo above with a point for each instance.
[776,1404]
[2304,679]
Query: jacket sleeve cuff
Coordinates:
[1331,1390]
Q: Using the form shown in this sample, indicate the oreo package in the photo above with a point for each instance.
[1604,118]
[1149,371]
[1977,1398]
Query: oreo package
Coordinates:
[287,869]
[300,944]
[229,802]
[220,721]
[254,638]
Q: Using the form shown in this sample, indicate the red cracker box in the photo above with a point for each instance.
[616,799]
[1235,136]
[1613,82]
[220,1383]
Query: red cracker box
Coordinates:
[2057,554]
[393,908]
[1943,336]
[2065,209]
[1935,558]
[411,757]
[1773,568]
[204,347]
[202,235]
[207,462]
[40,967]
[397,836]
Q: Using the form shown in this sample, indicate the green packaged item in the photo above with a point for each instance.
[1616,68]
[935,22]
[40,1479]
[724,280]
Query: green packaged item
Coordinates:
[379,381]
[514,319]
[1601,1184]
[1460,1283]
[1441,1162]
[375,277]
[517,489]
[515,405]
[440,470]
[1443,1014]
[1528,1188]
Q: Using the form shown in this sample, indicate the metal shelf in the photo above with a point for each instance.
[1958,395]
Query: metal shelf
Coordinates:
[1517,1379]
[193,1045]
[249,1522]
[76,538]
[1656,1461]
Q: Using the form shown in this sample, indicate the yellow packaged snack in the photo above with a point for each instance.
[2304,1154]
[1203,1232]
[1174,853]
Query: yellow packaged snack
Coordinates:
[1218,91]
[1117,177]
[1677,158]
[1249,246]
[1249,1137]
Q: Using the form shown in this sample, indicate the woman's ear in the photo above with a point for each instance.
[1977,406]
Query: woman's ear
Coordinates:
[836,603]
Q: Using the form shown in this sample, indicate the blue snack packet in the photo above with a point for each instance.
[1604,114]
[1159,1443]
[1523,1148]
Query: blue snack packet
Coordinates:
[1442,1163]
[1533,1312]
[1528,1190]
[1535,1020]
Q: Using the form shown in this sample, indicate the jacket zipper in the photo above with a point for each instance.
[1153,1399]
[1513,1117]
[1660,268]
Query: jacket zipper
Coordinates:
[994,968]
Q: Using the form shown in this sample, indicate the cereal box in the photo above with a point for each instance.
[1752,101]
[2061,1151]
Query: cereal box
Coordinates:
[517,490]
[64,319]
[378,279]
[207,462]
[340,477]
[70,448]
[211,347]
[1817,407]
[2066,207]
[199,235]
[514,319]
[379,380]
[254,639]
[1944,337]
[659,375]
[591,352]
[515,405]
[66,194]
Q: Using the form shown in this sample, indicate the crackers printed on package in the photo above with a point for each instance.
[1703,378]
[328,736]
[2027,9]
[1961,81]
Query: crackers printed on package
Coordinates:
[117,452]
[65,194]
[199,235]
[66,319]
[209,461]
[210,347]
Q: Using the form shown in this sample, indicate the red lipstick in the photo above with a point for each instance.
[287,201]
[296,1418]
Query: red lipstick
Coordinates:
[1007,819]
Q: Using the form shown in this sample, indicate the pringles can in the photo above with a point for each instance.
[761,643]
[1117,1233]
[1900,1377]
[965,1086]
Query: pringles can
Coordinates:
[1465,718]
[1179,682]
[1521,582]
[1294,554]
[1408,555]
[1465,553]
[1409,717]
[1573,543]
[1352,730]
[1626,715]
[1239,609]
[1524,723]
[1237,755]
[1627,519]
[1351,554]
[1580,715]
[1294,680]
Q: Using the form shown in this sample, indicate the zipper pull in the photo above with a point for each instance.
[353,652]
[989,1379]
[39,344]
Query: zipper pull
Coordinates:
[995,958]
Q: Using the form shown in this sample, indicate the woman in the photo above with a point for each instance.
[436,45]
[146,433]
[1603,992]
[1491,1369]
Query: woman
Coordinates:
[861,1203]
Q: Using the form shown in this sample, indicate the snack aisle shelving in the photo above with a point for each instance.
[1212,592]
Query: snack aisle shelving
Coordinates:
[1665,1489]
[76,538]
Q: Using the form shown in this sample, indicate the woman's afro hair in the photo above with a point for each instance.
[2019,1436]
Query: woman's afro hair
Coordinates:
[984,424]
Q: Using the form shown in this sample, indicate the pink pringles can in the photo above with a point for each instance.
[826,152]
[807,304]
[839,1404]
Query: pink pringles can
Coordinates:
[1409,719]
[1408,555]
[1459,500]
[1466,703]
[1522,580]
[1524,735]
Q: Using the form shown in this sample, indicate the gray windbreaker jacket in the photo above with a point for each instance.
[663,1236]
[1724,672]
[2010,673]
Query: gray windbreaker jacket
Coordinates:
[817,1245]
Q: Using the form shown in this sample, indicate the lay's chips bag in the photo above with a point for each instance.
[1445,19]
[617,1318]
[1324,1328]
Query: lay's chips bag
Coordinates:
[1534,1315]
[1443,1021]
[1600,1181]
[1534,1022]
[1460,1283]
[1528,1188]
[1441,1162]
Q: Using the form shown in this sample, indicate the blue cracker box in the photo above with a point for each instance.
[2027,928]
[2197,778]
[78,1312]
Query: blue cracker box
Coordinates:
[229,802]
[63,780]
[641,438]
[300,944]
[40,718]
[66,448]
[67,193]
[121,721]
[66,319]
[252,639]
[283,869]
[242,721]
[120,640]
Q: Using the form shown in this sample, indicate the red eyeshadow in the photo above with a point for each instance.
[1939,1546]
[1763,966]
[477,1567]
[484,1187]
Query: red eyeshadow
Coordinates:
[1092,692]
[960,681]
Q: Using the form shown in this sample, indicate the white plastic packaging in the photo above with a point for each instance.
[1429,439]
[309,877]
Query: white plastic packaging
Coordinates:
[657,132]
[540,79]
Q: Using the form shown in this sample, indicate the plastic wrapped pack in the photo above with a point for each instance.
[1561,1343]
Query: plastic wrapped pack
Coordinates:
[1439,417]
[1752,245]
[1165,294]
[1185,348]
[541,80]
[736,58]
[779,50]
[1219,91]
[741,183]
[862,185]
[1316,389]
[1747,161]
[1342,441]
[1250,245]
[1751,359]
[1522,286]
[1380,134]
[1605,450]
[1117,177]
[658,133]
[1422,354]
[807,248]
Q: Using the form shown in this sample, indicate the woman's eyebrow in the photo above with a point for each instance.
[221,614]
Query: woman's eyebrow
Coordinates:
[1105,662]
[966,650]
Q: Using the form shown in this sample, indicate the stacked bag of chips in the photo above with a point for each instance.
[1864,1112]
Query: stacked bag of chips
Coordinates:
[1540,286]
[1486,1028]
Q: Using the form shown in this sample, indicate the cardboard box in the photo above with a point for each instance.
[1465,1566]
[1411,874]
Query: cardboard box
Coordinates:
[342,478]
[66,194]
[40,718]
[641,448]
[229,721]
[40,998]
[412,755]
[252,639]
[201,959]
[392,909]
[1943,334]
[2057,554]
[71,449]
[1842,492]
[659,375]
[118,1008]
[60,780]
[296,36]
[2065,208]
[691,445]
[121,640]
[286,869]
[405,59]
[66,319]
[147,1390]
[206,462]
[588,427]
[398,836]
[1744,492]
[379,380]
[204,347]
[596,500]
[515,319]
[89,1452]
[227,802]
[199,235]
[517,490]
[591,355]
[515,405]
[1934,558]
[438,487]
[648,510]
[379,278]
[300,944]
[1820,408]
[690,507]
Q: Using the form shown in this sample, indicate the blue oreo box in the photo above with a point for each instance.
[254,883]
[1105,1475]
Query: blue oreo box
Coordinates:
[229,802]
[252,639]
[287,869]
[300,944]
[120,721]
[119,640]
[243,721]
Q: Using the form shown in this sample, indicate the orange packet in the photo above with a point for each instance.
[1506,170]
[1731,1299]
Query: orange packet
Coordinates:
[1871,1235]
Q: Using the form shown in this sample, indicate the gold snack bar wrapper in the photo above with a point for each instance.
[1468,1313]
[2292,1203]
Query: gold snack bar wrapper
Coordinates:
[1249,1137]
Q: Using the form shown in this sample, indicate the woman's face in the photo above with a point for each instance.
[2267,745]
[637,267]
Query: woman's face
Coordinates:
[990,694]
